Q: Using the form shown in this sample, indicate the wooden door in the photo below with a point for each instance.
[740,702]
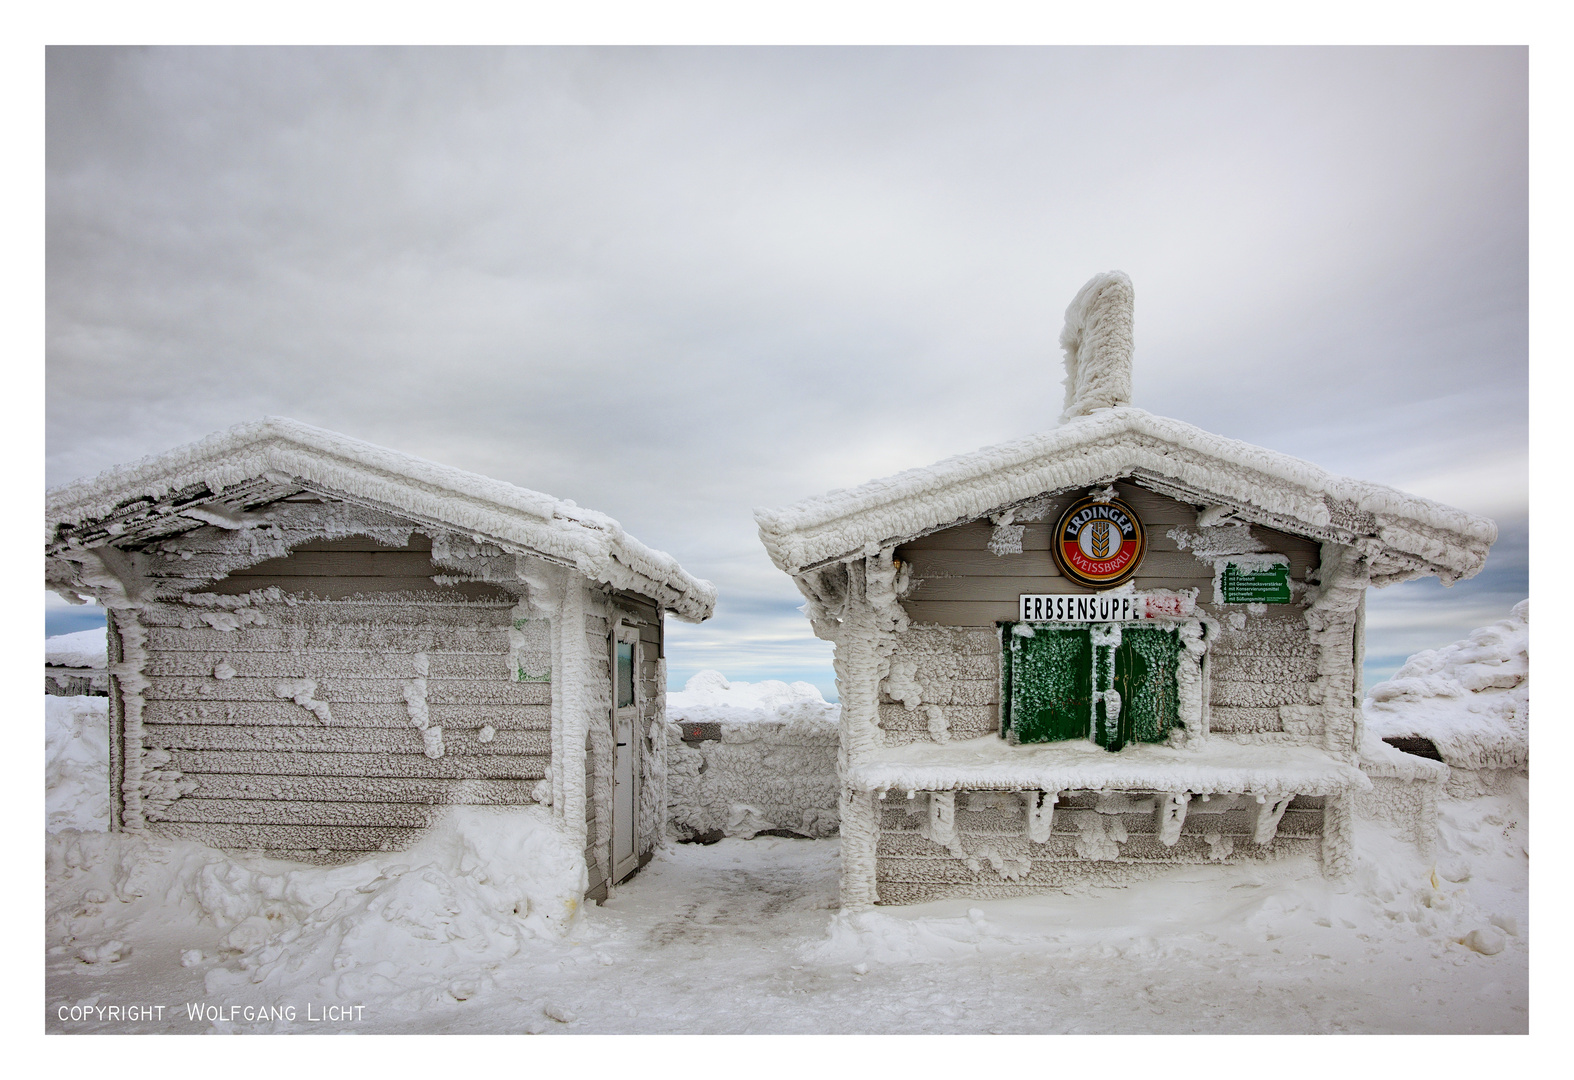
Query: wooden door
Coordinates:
[625,726]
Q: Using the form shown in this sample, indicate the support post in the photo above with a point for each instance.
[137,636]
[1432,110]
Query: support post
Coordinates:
[1172,815]
[860,829]
[1265,814]
[1040,814]
[1338,835]
[942,817]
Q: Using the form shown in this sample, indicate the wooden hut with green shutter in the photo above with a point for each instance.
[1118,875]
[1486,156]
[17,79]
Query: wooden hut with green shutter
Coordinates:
[316,645]
[1122,644]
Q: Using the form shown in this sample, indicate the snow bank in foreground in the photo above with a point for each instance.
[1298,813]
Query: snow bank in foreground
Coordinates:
[416,928]
[745,758]
[76,762]
[709,697]
[83,649]
[1471,698]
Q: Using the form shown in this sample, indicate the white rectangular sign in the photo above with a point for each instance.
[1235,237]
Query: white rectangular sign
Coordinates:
[1127,607]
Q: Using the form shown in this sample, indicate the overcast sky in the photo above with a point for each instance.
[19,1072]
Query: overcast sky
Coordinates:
[676,284]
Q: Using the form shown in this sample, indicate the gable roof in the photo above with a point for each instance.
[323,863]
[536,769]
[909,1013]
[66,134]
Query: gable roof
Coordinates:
[200,484]
[1404,536]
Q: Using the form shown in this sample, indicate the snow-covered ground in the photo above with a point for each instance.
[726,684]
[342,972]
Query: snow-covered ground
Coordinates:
[475,930]
[743,936]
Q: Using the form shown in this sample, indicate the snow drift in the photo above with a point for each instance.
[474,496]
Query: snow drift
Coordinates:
[419,926]
[1471,698]
[76,763]
[709,697]
[414,928]
[84,649]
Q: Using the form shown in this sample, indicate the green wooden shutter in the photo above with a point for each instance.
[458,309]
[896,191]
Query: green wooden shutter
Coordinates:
[1048,684]
[1144,676]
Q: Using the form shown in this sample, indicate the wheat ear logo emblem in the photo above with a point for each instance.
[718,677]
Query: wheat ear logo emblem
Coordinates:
[1100,542]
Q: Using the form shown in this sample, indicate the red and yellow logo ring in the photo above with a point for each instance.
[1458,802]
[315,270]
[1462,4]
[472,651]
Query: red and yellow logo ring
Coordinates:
[1099,542]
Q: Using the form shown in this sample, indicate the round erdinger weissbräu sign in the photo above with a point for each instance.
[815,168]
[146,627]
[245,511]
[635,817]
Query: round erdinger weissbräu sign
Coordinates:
[1098,543]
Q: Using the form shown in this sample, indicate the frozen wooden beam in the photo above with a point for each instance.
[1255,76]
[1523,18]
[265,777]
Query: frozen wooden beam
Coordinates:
[1171,815]
[1040,813]
[942,817]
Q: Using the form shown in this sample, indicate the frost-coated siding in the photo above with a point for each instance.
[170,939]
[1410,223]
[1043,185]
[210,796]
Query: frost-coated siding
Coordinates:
[1000,861]
[234,755]
[1262,670]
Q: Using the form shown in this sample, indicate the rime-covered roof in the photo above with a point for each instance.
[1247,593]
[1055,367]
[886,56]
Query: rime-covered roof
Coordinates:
[1403,535]
[205,482]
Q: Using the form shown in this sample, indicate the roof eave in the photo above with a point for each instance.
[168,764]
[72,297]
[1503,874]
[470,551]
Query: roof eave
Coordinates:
[1124,443]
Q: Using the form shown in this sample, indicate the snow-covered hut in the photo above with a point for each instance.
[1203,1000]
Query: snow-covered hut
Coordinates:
[1005,619]
[315,644]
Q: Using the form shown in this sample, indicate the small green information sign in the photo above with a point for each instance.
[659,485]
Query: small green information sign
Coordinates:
[1256,584]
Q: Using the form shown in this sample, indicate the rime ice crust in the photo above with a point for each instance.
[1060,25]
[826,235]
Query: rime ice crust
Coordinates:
[1097,339]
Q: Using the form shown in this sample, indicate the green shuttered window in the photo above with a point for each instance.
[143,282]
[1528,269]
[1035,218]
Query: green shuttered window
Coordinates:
[1051,685]
[1057,683]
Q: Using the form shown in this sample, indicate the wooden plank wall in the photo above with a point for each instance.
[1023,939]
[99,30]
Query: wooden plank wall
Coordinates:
[266,773]
[963,589]
[912,869]
[342,569]
[960,582]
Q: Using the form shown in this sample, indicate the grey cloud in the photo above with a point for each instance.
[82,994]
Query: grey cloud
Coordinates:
[675,284]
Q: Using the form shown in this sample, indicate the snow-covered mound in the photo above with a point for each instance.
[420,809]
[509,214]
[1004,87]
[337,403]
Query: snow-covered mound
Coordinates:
[84,649]
[709,697]
[418,927]
[1471,698]
[76,762]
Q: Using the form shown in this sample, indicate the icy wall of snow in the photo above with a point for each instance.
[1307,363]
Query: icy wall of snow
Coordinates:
[743,758]
[1471,698]
[1405,791]
[76,762]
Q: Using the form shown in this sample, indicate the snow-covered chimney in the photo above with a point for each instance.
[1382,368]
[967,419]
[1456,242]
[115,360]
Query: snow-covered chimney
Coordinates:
[1097,340]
